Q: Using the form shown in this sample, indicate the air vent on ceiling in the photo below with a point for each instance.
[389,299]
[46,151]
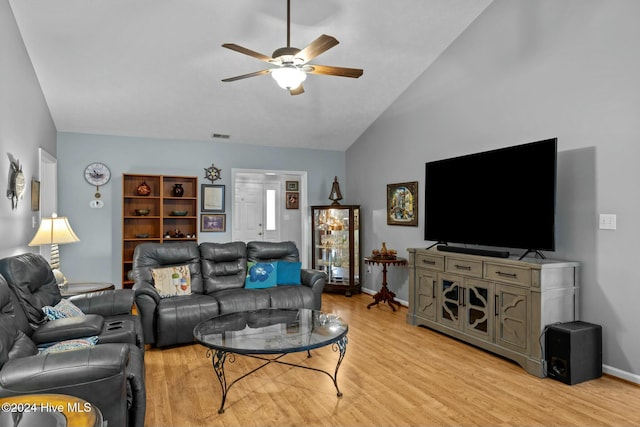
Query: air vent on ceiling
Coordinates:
[220,136]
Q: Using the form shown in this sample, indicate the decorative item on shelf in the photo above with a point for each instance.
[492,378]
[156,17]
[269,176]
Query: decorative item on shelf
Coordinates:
[142,212]
[179,213]
[177,234]
[335,194]
[143,235]
[212,173]
[143,189]
[384,253]
[177,190]
[54,231]
[167,235]
[16,183]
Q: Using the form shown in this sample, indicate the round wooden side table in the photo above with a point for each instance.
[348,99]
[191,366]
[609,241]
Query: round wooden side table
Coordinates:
[385,295]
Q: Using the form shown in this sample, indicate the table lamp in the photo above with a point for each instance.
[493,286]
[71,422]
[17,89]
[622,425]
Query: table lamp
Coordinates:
[54,231]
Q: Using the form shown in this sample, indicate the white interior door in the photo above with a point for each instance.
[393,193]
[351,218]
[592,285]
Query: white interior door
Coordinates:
[48,177]
[248,209]
[259,211]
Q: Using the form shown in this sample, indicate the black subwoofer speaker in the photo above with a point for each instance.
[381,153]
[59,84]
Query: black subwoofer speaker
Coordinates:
[574,351]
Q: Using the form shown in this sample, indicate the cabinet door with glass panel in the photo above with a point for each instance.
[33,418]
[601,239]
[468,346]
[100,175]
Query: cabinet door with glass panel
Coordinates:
[336,246]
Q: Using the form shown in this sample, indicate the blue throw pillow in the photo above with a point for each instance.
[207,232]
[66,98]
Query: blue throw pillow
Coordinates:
[261,275]
[289,273]
[63,309]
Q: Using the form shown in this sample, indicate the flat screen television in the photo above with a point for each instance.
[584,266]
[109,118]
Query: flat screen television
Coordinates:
[501,198]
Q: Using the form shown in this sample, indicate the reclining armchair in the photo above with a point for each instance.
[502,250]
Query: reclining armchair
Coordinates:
[108,313]
[109,376]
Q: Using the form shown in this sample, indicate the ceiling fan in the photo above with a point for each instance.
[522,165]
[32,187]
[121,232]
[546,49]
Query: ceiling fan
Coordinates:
[292,64]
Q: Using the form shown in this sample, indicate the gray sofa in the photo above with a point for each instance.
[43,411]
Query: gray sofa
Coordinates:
[218,272]
[110,375]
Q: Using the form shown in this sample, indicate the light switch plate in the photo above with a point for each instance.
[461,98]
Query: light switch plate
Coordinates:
[607,221]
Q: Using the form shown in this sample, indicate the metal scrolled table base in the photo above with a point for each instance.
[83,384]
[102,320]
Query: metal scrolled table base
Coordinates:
[219,357]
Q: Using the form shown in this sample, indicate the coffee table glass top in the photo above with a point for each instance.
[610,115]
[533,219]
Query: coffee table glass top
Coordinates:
[270,331]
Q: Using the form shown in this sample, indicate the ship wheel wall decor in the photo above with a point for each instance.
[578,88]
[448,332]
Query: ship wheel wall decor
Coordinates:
[212,173]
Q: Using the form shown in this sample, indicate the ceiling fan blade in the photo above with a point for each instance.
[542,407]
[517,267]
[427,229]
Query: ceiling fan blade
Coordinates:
[316,47]
[336,71]
[297,91]
[245,76]
[249,52]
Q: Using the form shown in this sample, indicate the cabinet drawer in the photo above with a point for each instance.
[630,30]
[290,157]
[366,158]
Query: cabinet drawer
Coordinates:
[506,273]
[430,261]
[464,266]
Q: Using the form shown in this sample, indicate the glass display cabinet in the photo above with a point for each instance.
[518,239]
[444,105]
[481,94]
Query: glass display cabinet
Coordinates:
[336,246]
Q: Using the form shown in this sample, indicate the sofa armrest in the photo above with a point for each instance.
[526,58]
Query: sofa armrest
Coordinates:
[68,328]
[315,279]
[147,299]
[105,303]
[49,371]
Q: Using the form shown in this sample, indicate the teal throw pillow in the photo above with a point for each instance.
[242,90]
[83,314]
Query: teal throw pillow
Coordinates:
[261,275]
[289,273]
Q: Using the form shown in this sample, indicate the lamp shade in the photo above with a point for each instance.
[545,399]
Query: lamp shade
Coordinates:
[288,77]
[54,230]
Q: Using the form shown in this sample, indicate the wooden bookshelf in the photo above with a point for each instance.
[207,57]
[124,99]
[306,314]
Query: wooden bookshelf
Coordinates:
[161,223]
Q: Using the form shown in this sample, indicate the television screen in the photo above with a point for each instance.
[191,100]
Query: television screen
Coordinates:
[503,198]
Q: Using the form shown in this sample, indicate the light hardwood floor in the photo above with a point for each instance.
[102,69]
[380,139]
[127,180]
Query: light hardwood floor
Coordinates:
[393,374]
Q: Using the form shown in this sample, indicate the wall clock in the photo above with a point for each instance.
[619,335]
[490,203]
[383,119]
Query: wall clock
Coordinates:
[97,174]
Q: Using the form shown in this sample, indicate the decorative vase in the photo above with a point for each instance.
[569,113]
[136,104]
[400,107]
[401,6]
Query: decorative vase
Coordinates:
[143,189]
[177,191]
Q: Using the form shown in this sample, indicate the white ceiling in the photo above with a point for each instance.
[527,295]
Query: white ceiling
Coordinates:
[153,68]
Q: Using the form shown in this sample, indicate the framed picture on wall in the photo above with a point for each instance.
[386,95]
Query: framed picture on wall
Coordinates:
[212,197]
[213,222]
[402,203]
[35,195]
[292,186]
[293,200]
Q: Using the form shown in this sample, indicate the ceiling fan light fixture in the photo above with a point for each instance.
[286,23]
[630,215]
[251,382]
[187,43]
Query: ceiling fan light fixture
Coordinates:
[288,77]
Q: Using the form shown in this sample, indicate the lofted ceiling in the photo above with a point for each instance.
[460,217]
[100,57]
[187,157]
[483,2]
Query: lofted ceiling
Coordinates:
[153,68]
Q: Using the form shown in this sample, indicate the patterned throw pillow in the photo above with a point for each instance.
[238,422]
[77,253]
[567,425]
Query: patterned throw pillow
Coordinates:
[63,309]
[261,275]
[289,273]
[69,345]
[172,281]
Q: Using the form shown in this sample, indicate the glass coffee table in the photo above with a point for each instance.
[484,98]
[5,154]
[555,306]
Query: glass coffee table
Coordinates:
[276,332]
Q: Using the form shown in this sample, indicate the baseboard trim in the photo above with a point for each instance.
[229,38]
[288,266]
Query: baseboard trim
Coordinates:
[619,373]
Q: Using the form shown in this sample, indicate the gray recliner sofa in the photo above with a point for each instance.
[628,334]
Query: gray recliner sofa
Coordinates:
[218,272]
[108,375]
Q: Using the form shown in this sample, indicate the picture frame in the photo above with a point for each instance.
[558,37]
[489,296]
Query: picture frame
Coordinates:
[213,222]
[212,198]
[292,186]
[293,200]
[402,203]
[35,195]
